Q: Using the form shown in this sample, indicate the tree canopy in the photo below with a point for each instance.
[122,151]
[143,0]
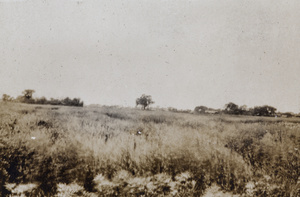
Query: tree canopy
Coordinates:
[200,109]
[265,110]
[144,101]
[28,94]
[231,108]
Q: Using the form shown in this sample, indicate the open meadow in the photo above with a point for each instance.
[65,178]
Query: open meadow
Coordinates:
[109,151]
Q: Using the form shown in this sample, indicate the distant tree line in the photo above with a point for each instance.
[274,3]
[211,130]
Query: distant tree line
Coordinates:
[27,97]
[172,109]
[234,109]
[230,108]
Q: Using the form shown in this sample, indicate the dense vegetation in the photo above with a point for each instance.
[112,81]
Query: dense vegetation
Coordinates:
[91,151]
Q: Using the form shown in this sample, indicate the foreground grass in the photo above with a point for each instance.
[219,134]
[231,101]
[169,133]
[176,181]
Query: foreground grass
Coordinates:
[67,151]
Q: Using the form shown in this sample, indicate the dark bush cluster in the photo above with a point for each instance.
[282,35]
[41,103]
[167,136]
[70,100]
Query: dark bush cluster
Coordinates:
[66,102]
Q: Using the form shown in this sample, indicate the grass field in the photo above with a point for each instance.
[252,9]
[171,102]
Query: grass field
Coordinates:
[110,151]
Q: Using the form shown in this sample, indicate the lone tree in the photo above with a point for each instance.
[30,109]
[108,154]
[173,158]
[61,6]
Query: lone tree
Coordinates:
[144,101]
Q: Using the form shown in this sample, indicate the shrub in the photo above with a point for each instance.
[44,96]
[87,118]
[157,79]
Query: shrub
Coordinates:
[46,177]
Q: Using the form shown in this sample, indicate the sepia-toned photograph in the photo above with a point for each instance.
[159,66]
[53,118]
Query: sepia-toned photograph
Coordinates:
[150,98]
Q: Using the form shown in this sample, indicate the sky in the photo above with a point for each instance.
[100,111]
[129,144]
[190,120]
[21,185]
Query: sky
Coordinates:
[184,53]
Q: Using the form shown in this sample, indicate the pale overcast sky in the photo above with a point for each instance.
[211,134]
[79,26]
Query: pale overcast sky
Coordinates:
[183,53]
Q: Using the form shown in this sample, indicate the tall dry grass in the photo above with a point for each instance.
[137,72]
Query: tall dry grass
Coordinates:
[128,152]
